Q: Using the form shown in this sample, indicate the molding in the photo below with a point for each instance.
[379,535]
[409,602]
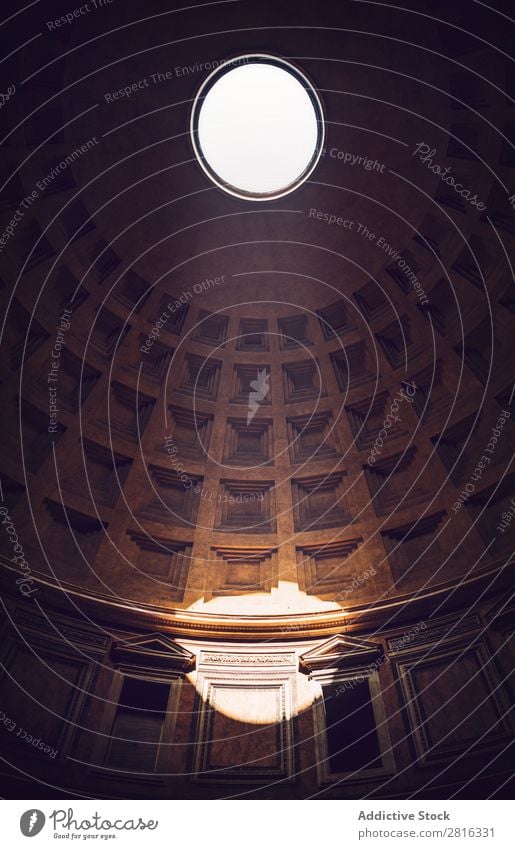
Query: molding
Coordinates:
[387,613]
[243,659]
[324,774]
[73,704]
[339,652]
[61,632]
[419,718]
[444,630]
[248,766]
[153,651]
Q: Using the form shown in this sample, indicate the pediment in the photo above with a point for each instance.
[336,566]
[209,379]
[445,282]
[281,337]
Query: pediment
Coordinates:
[340,651]
[153,650]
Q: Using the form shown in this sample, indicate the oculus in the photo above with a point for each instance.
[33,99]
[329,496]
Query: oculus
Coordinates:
[257,127]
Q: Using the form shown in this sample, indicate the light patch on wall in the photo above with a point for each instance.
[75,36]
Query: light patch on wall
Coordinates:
[284,600]
[256,669]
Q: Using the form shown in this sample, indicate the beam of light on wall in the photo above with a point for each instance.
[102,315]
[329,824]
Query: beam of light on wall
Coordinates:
[254,706]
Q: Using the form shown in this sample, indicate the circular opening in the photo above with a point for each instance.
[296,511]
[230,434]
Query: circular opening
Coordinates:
[257,127]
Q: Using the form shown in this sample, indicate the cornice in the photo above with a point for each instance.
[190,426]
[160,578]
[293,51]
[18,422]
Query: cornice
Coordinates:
[376,617]
[339,651]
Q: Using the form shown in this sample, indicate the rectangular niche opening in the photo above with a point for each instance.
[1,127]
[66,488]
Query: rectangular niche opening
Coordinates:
[201,377]
[302,381]
[251,384]
[246,507]
[248,444]
[190,434]
[351,734]
[253,335]
[334,320]
[325,569]
[244,570]
[140,716]
[211,329]
[320,502]
[294,332]
[312,437]
[162,558]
